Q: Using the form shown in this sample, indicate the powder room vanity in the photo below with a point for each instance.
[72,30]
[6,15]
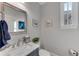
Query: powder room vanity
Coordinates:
[29,49]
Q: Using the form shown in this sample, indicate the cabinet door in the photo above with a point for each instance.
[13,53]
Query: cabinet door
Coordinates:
[69,15]
[34,53]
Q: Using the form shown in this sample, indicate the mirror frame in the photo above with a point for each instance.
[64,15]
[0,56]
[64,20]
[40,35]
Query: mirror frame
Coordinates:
[20,10]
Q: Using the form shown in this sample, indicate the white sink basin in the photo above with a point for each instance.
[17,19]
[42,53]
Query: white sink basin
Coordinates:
[24,50]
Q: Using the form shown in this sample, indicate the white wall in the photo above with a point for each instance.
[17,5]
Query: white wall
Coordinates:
[53,38]
[33,12]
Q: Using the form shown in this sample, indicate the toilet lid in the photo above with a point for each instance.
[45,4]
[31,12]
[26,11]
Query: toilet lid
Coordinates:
[43,52]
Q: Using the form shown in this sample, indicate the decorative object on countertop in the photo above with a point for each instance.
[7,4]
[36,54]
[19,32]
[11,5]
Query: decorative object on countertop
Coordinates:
[26,39]
[35,40]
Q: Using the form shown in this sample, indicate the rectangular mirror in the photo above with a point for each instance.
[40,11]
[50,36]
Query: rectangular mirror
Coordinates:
[15,18]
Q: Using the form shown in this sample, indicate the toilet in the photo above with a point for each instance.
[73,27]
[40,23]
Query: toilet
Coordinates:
[43,52]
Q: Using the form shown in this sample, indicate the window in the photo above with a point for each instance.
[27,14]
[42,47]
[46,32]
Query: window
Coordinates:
[67,13]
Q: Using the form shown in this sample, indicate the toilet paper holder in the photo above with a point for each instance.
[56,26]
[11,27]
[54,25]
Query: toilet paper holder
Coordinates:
[74,52]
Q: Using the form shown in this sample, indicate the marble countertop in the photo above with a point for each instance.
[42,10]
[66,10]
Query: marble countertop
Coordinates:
[23,50]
